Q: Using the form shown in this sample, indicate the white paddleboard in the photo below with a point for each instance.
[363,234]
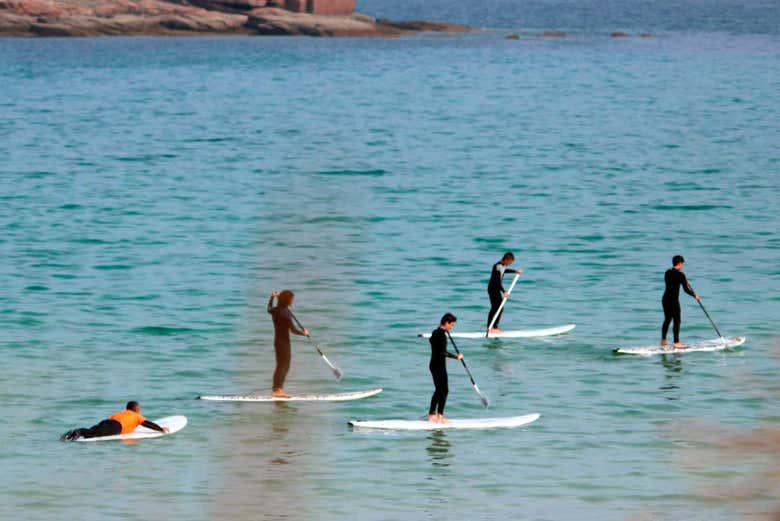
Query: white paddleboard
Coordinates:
[519,333]
[702,345]
[422,425]
[174,423]
[340,397]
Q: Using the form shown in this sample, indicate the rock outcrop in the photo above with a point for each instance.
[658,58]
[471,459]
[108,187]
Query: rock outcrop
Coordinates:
[189,17]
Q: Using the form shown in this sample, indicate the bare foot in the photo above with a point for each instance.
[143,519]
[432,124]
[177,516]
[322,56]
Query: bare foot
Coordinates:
[433,418]
[279,393]
[495,331]
[442,419]
[664,343]
[679,345]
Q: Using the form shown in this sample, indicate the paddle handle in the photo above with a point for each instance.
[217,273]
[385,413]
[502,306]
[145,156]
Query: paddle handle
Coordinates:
[495,317]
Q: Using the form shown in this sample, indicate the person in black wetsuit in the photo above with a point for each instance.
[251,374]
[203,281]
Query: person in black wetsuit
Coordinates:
[496,290]
[283,324]
[438,367]
[674,278]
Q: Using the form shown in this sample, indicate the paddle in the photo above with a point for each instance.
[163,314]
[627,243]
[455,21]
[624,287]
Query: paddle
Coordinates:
[336,371]
[476,387]
[708,316]
[498,312]
[705,312]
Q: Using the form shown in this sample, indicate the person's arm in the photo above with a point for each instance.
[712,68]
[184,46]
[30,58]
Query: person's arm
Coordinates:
[154,426]
[687,287]
[500,276]
[271,301]
[293,327]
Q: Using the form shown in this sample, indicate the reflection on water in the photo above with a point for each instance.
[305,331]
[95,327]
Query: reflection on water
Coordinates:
[265,460]
[673,365]
[439,449]
[672,362]
[495,343]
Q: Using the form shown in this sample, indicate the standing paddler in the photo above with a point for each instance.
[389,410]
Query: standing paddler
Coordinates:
[438,367]
[674,278]
[283,324]
[496,290]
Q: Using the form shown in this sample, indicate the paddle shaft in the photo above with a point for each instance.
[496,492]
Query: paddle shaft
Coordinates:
[705,312]
[462,361]
[335,369]
[495,317]
[710,319]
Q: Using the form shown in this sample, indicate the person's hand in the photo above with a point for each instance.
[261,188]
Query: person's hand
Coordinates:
[274,293]
[305,332]
[697,297]
[518,271]
[460,356]
[506,294]
[166,429]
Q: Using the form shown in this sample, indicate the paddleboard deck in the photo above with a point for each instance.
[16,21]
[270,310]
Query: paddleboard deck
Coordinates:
[717,344]
[339,397]
[520,333]
[174,423]
[422,425]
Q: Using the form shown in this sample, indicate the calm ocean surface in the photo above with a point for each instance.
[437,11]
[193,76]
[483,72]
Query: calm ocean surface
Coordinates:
[153,191]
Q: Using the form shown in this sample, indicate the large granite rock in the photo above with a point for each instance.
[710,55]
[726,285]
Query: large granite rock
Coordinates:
[187,17]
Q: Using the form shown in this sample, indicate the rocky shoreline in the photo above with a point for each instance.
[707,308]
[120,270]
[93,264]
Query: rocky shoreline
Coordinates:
[31,18]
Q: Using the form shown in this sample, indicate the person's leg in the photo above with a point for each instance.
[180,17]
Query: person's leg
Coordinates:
[437,397]
[104,428]
[495,303]
[676,317]
[283,356]
[444,390]
[498,319]
[668,315]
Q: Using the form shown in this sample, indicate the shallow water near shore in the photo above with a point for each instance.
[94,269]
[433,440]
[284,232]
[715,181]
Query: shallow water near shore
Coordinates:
[154,191]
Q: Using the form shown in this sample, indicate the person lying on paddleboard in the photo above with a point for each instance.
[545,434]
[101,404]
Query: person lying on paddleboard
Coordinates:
[674,278]
[438,367]
[122,422]
[496,290]
[283,324]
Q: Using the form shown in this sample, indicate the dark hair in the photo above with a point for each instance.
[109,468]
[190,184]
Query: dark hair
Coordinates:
[285,298]
[132,406]
[508,255]
[448,318]
[677,259]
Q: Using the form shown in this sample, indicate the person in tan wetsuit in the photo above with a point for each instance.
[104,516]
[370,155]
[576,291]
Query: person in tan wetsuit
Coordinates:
[283,324]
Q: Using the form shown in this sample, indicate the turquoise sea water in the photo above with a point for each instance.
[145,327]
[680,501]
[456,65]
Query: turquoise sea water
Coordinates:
[154,191]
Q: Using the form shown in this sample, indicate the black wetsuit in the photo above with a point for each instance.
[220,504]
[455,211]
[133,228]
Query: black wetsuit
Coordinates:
[496,291]
[104,428]
[671,301]
[438,367]
[283,324]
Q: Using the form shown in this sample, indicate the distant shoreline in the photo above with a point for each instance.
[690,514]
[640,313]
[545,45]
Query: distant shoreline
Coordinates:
[73,18]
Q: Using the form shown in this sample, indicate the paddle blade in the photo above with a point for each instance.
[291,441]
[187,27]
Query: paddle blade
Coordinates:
[336,371]
[482,397]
